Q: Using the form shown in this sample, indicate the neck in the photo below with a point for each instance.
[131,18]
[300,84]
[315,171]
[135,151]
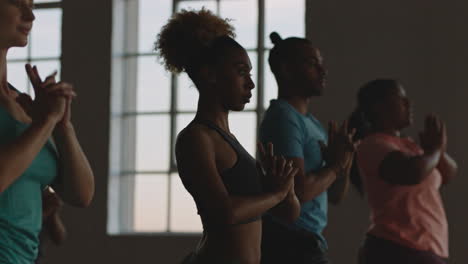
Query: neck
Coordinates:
[300,103]
[211,110]
[3,68]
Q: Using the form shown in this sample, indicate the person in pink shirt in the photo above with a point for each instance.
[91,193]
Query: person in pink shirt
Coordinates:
[400,178]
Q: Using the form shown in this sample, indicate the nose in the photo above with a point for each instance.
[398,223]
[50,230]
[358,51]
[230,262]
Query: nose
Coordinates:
[250,83]
[28,14]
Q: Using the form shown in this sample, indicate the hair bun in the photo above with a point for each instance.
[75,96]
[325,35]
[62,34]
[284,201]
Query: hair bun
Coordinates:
[275,38]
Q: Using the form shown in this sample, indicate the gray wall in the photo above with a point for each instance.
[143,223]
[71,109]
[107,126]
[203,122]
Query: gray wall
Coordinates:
[422,43]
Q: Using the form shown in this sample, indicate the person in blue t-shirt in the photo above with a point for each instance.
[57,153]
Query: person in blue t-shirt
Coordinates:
[293,230]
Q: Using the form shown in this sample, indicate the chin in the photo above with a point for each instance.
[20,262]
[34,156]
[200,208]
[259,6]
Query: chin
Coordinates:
[238,108]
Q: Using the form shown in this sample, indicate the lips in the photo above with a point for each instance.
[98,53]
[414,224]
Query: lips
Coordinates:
[25,30]
[247,98]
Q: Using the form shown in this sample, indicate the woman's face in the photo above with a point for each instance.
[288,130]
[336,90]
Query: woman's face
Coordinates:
[16,20]
[396,108]
[233,80]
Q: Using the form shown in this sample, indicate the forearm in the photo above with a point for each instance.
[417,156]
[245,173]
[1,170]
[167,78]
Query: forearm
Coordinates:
[448,168]
[422,166]
[338,189]
[17,156]
[56,229]
[76,185]
[315,183]
[289,209]
[243,208]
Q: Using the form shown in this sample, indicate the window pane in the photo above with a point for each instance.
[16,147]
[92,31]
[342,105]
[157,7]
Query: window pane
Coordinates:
[152,16]
[254,61]
[244,127]
[183,120]
[271,88]
[197,5]
[184,216]
[150,211]
[17,53]
[152,143]
[46,33]
[187,94]
[154,83]
[244,18]
[285,17]
[17,76]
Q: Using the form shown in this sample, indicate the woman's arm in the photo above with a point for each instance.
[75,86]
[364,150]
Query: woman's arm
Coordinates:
[195,153]
[448,168]
[76,182]
[55,228]
[399,168]
[17,156]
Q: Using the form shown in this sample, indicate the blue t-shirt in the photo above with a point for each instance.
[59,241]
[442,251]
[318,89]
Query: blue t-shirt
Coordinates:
[295,135]
[21,202]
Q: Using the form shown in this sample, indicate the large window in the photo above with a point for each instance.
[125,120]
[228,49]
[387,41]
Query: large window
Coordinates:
[44,48]
[150,106]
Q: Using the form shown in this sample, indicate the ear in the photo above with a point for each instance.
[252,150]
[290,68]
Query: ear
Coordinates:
[285,71]
[208,74]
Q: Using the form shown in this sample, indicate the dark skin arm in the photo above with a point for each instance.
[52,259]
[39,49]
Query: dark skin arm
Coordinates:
[55,229]
[448,168]
[338,154]
[289,209]
[340,187]
[195,152]
[399,168]
[52,223]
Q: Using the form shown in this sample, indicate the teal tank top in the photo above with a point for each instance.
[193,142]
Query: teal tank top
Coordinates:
[21,202]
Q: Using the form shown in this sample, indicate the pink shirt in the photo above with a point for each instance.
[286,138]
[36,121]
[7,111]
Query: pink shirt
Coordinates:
[412,215]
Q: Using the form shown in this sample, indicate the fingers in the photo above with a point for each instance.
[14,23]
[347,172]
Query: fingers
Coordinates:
[281,164]
[289,167]
[49,80]
[270,149]
[61,88]
[274,165]
[33,76]
[261,149]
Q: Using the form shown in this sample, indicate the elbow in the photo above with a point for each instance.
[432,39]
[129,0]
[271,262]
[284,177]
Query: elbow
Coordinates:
[82,200]
[85,200]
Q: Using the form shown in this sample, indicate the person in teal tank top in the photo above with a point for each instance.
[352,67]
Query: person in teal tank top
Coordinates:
[29,160]
[299,136]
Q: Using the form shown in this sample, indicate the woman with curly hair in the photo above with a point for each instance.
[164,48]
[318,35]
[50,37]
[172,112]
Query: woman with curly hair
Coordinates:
[400,178]
[223,179]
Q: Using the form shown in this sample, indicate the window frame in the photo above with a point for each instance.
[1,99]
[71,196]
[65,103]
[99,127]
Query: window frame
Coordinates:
[121,195]
[31,59]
